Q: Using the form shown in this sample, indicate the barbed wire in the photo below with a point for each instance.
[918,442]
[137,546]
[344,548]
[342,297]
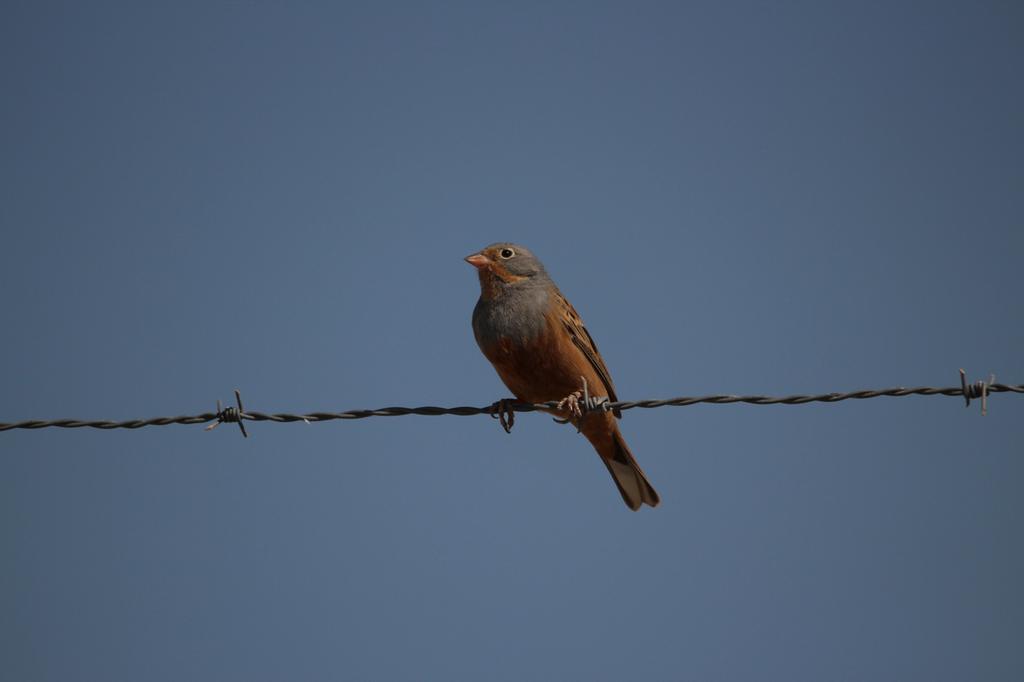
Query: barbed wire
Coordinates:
[505,409]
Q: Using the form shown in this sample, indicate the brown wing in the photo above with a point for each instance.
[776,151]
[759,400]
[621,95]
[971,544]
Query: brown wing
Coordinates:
[581,337]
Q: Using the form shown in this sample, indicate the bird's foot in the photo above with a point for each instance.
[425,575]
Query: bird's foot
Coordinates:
[571,403]
[503,412]
[577,404]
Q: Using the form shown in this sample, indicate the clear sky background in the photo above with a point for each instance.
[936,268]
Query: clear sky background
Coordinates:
[738,198]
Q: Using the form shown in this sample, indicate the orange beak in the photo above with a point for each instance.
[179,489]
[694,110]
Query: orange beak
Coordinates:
[478,261]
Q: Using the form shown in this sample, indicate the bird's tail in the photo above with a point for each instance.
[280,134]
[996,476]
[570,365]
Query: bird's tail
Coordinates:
[628,476]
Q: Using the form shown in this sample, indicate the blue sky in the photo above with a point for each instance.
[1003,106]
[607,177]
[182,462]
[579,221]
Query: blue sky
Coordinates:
[737,197]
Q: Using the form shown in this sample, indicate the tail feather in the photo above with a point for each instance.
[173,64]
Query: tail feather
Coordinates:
[628,476]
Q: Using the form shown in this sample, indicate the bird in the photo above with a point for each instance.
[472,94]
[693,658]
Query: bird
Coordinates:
[542,352]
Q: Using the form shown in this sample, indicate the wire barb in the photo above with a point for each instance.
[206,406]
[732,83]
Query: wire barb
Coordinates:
[230,415]
[979,389]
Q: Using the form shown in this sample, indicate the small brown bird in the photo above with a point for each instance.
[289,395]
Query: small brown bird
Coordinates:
[541,350]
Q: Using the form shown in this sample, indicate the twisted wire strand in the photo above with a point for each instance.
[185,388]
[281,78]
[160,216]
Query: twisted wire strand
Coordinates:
[231,414]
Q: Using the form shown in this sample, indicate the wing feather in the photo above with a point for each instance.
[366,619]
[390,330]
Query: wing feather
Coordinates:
[585,342]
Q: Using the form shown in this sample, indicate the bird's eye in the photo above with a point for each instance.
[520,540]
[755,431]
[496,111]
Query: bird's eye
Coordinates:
[507,253]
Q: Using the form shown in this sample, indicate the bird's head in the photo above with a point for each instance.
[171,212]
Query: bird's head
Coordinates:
[505,265]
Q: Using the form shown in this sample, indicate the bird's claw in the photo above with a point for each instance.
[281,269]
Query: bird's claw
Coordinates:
[572,404]
[503,412]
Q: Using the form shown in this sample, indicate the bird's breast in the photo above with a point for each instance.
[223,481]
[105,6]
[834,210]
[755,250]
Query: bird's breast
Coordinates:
[517,316]
[529,350]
